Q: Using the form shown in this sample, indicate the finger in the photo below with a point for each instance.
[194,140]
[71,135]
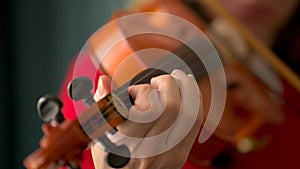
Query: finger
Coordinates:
[190,111]
[104,87]
[140,94]
[133,127]
[168,87]
[170,97]
[191,97]
[148,107]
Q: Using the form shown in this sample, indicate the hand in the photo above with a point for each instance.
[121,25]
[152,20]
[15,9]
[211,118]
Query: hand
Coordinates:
[162,101]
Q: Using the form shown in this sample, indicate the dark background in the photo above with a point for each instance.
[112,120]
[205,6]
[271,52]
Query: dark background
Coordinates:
[38,39]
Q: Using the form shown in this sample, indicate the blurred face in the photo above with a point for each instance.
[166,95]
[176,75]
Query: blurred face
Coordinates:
[264,18]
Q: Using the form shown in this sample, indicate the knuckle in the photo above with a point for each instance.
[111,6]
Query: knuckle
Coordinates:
[167,78]
[172,102]
[145,87]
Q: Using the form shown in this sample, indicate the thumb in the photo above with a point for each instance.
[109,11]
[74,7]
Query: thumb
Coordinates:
[103,88]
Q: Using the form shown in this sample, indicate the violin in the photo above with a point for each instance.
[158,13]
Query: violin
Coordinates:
[125,67]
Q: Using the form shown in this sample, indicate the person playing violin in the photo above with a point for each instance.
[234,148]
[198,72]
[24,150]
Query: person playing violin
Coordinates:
[271,22]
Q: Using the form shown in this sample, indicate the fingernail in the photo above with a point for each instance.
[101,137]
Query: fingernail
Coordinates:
[178,73]
[100,89]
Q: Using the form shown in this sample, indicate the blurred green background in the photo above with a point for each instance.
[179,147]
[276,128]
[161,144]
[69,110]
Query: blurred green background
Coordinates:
[38,39]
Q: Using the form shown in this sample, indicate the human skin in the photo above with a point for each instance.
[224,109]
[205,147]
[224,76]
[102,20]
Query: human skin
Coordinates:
[174,95]
[264,18]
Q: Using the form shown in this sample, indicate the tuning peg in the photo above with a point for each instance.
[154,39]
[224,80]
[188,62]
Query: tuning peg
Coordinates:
[80,89]
[49,108]
[115,160]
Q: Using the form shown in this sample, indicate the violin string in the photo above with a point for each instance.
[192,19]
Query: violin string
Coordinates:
[160,64]
[108,114]
[110,101]
[138,81]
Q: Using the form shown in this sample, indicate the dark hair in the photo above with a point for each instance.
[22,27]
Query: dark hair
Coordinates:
[287,45]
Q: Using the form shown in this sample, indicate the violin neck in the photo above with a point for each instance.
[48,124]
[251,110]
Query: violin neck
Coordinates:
[112,110]
[101,116]
[184,59]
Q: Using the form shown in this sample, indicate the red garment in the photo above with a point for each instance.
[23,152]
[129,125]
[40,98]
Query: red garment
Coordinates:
[281,152]
[283,149]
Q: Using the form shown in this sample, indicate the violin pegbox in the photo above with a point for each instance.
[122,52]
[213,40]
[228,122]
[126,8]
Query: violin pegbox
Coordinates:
[80,89]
